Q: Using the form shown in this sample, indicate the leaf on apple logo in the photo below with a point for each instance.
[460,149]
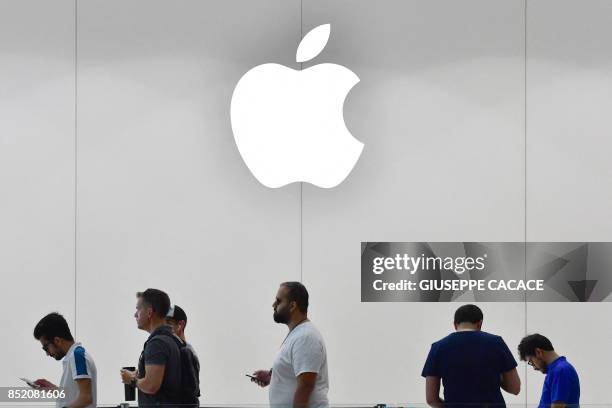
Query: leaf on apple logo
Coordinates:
[313,43]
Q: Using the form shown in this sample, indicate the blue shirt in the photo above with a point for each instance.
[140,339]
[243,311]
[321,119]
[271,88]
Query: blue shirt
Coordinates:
[561,384]
[469,364]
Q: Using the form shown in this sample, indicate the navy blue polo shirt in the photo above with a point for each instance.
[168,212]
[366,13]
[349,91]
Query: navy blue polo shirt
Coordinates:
[561,384]
[469,364]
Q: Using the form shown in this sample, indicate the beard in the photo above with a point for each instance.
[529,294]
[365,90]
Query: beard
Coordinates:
[280,317]
[59,356]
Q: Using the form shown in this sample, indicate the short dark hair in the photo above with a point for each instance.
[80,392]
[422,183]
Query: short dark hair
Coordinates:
[177,313]
[468,314]
[158,300]
[51,326]
[529,343]
[297,294]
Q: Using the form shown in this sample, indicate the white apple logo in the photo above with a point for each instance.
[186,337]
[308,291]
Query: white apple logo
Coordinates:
[289,125]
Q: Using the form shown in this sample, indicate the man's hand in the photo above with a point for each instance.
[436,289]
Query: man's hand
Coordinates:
[45,384]
[262,377]
[127,376]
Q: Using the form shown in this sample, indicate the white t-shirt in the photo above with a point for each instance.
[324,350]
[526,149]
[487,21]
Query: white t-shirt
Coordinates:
[303,351]
[77,364]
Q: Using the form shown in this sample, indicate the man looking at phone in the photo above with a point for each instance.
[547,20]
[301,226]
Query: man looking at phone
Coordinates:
[561,385]
[78,384]
[473,365]
[298,377]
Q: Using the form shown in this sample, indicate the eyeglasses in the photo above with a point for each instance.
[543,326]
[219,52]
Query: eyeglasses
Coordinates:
[530,363]
[45,346]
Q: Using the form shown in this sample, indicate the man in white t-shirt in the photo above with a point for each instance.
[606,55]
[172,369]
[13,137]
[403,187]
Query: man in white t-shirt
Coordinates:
[78,384]
[298,377]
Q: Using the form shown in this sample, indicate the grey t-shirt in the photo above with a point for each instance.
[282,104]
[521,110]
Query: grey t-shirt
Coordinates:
[303,351]
[196,359]
[161,349]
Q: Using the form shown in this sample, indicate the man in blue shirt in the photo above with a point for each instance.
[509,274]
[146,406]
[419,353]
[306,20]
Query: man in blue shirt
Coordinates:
[561,385]
[472,365]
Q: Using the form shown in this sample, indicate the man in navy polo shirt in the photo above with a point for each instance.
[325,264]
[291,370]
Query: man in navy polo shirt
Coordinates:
[472,365]
[561,385]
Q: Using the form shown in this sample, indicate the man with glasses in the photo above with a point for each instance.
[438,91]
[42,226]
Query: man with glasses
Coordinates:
[561,385]
[78,383]
[471,364]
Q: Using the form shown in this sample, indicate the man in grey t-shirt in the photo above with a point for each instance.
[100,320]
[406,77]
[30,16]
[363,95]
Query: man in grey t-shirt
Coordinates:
[298,377]
[177,319]
[159,367]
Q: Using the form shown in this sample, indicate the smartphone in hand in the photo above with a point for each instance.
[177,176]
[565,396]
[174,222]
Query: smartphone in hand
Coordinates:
[29,382]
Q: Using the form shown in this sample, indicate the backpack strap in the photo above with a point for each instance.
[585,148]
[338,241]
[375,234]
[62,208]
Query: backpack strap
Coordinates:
[176,339]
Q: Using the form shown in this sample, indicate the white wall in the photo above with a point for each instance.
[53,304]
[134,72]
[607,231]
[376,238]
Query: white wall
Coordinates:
[36,178]
[569,171]
[164,199]
[440,108]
